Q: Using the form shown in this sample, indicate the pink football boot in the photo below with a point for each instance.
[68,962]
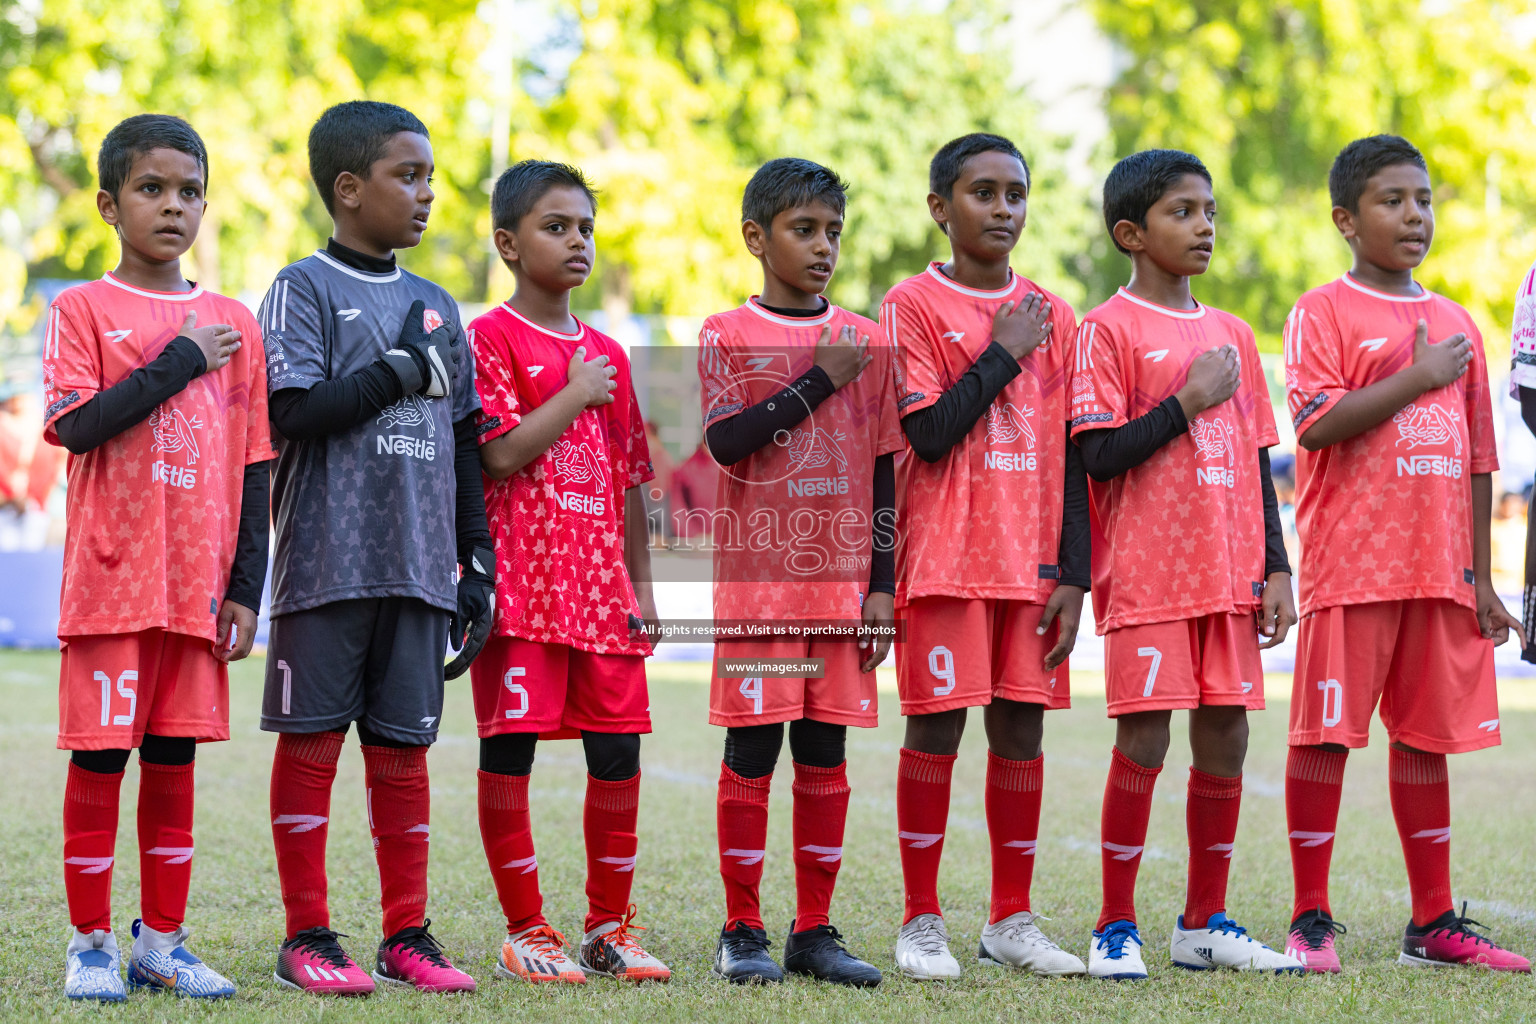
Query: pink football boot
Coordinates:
[313,961]
[1311,941]
[412,957]
[1449,941]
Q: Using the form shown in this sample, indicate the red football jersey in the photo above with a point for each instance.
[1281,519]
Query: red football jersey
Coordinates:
[558,523]
[1181,535]
[985,520]
[1385,515]
[154,512]
[797,540]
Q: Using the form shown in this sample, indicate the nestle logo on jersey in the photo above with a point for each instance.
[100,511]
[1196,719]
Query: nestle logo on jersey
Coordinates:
[817,486]
[404,444]
[591,504]
[1011,461]
[1429,465]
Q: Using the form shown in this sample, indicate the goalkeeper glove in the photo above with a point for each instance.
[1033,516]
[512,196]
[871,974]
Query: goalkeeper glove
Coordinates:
[470,626]
[425,362]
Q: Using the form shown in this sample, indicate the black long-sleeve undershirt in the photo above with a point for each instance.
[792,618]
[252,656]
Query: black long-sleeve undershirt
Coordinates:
[334,406]
[248,574]
[471,527]
[1112,452]
[933,431]
[736,437]
[1528,407]
[128,403]
[1275,558]
[882,561]
[1074,552]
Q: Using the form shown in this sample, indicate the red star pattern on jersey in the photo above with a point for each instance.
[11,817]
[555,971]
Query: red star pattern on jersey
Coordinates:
[824,468]
[985,520]
[1181,535]
[558,523]
[153,513]
[1385,515]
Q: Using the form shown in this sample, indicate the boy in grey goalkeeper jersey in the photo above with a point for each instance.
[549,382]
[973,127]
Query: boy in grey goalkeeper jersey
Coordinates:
[377,500]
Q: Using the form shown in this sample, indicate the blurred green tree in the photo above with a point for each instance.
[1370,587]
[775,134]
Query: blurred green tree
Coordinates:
[1266,92]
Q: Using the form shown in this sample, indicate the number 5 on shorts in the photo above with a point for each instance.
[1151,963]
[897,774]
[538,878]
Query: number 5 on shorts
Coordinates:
[1157,660]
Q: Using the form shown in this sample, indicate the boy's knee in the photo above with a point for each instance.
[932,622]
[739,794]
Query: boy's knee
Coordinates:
[938,733]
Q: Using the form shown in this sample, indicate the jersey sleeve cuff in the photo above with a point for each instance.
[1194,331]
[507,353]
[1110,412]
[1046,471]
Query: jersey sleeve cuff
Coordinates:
[489,427]
[1097,421]
[1313,406]
[912,401]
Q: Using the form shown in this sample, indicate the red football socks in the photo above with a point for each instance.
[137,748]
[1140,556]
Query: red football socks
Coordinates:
[821,812]
[90,842]
[741,825]
[922,814]
[1314,780]
[1421,802]
[399,816]
[1013,823]
[1123,832]
[1210,817]
[608,821]
[165,842]
[303,770]
[507,833]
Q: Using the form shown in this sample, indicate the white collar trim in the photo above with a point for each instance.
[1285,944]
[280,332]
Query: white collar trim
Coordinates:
[329,260]
[1423,296]
[975,293]
[196,291]
[581,328]
[790,321]
[1178,314]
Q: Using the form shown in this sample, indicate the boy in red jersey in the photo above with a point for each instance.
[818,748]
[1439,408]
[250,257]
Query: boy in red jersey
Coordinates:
[805,429]
[1393,498]
[166,425]
[995,549]
[563,444]
[1170,410]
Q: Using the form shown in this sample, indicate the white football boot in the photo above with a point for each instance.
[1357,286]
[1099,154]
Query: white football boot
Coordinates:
[93,967]
[922,950]
[1016,941]
[1223,943]
[1115,953]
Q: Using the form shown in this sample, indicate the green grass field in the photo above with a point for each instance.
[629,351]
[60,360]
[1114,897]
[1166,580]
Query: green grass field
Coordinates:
[237,920]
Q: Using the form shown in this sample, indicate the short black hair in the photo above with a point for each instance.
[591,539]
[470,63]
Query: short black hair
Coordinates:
[945,167]
[522,185]
[786,183]
[1136,183]
[1361,159]
[138,135]
[350,137]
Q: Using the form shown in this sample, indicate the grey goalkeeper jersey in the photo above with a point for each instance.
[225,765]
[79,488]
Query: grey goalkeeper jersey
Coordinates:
[368,512]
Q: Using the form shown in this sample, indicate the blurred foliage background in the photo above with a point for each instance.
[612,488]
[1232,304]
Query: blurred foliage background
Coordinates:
[669,106]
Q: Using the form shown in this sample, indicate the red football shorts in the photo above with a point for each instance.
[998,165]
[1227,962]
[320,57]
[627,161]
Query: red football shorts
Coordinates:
[523,686]
[962,652]
[115,687]
[1188,663]
[1425,661]
[843,696]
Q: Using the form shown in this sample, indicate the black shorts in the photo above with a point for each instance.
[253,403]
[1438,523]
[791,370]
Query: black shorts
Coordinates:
[375,660]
